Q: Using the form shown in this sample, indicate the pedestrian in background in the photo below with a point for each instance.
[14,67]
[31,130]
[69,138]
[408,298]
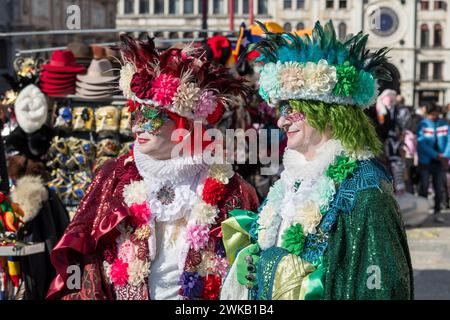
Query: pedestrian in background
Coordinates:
[433,149]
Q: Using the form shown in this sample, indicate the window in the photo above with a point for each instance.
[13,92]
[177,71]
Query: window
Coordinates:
[300,26]
[342,4]
[159,6]
[287,27]
[144,6]
[128,6]
[245,6]
[236,6]
[287,4]
[188,35]
[329,4]
[158,34]
[173,35]
[300,4]
[424,36]
[342,30]
[437,71]
[440,5]
[188,6]
[174,7]
[437,35]
[424,71]
[425,5]
[218,6]
[262,7]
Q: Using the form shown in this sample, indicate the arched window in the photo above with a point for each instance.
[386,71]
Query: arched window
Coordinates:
[424,35]
[173,35]
[437,35]
[300,26]
[287,27]
[188,35]
[342,30]
[158,34]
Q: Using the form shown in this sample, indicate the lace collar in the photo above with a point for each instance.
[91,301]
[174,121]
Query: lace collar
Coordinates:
[172,170]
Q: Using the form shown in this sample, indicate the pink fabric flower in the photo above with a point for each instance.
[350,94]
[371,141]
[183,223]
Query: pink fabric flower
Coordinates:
[140,213]
[198,236]
[126,251]
[118,273]
[164,88]
[206,104]
[221,266]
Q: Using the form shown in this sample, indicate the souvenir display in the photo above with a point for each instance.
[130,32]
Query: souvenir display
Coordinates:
[125,122]
[99,83]
[83,119]
[107,119]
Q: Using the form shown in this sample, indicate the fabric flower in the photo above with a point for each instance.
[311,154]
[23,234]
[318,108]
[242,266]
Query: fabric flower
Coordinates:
[141,84]
[309,217]
[193,259]
[208,263]
[138,271]
[320,78]
[204,213]
[268,81]
[291,77]
[191,285]
[143,232]
[126,75]
[347,79]
[221,266]
[118,273]
[217,114]
[135,192]
[213,191]
[266,216]
[164,88]
[293,239]
[140,213]
[211,287]
[197,236]
[366,89]
[185,98]
[126,251]
[221,172]
[110,253]
[341,168]
[206,104]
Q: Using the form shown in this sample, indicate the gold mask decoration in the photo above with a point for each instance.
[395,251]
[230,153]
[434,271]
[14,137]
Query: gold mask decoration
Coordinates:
[125,122]
[83,118]
[107,119]
[107,148]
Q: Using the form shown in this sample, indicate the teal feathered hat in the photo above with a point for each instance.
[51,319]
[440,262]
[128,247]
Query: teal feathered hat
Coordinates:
[320,67]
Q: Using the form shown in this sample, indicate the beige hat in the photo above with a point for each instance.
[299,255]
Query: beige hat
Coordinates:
[99,72]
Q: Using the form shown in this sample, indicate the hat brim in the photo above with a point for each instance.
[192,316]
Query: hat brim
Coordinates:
[64,69]
[101,97]
[88,93]
[49,86]
[96,80]
[58,93]
[99,87]
[58,82]
[57,76]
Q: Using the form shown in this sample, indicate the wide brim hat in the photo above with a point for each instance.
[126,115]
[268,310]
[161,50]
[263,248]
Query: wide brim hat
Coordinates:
[58,76]
[97,80]
[56,82]
[59,93]
[63,61]
[98,87]
[99,71]
[92,98]
[51,86]
[90,93]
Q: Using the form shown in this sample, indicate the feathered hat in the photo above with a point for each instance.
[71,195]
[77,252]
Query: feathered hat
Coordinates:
[179,81]
[319,67]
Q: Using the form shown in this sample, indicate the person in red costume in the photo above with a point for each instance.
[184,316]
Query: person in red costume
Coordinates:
[149,224]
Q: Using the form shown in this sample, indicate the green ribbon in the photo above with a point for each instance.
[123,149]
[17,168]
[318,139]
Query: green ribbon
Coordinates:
[312,285]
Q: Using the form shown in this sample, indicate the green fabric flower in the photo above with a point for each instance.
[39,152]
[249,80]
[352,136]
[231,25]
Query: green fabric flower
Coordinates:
[341,168]
[293,239]
[347,79]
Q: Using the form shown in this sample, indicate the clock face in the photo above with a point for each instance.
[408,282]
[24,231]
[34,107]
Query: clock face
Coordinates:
[384,21]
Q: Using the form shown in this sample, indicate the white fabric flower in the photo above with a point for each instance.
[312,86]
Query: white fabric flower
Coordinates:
[126,75]
[207,265]
[266,216]
[221,172]
[309,217]
[320,78]
[291,77]
[204,213]
[186,98]
[137,272]
[135,192]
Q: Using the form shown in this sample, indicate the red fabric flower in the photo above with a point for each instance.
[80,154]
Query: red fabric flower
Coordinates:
[119,273]
[141,85]
[213,191]
[217,114]
[164,88]
[211,287]
[140,213]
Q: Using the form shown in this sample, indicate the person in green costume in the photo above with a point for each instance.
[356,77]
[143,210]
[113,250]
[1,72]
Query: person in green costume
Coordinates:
[329,227]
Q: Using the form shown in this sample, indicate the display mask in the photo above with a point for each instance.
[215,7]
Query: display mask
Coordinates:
[83,118]
[31,109]
[125,122]
[108,147]
[107,119]
[64,118]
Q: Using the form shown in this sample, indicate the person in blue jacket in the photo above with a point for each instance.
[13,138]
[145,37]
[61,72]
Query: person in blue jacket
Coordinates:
[433,149]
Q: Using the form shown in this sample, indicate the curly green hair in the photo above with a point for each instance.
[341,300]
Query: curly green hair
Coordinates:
[349,124]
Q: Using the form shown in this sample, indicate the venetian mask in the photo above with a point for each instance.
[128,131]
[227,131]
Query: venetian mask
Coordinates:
[82,118]
[108,147]
[290,114]
[64,118]
[107,119]
[149,118]
[125,122]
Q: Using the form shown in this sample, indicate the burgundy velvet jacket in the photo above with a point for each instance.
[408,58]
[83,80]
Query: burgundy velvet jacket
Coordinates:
[89,237]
